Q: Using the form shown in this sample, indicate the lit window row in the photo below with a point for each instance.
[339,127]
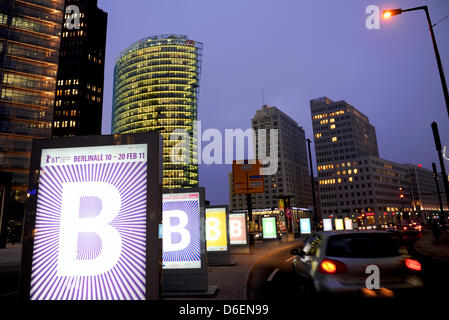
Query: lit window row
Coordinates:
[327,181]
[337,113]
[68,82]
[355,171]
[325,167]
[320,116]
[64,124]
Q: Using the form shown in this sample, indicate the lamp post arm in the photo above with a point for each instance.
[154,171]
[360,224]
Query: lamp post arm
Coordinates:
[437,55]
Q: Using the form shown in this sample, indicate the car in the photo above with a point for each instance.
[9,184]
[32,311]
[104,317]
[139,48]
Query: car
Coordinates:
[391,227]
[410,228]
[337,262]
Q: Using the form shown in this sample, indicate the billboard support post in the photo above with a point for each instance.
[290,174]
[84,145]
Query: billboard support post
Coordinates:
[251,221]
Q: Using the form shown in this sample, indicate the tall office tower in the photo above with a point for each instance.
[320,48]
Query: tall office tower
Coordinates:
[374,190]
[30,34]
[422,190]
[342,135]
[156,88]
[79,89]
[292,177]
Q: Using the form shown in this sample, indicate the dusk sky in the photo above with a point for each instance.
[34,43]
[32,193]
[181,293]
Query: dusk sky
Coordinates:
[295,51]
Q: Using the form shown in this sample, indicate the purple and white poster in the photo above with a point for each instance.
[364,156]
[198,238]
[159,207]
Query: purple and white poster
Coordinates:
[90,232]
[181,231]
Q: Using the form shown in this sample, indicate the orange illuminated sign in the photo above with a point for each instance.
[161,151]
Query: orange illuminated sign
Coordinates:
[247,177]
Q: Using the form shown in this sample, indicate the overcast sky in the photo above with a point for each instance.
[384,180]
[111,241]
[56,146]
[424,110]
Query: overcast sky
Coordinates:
[297,50]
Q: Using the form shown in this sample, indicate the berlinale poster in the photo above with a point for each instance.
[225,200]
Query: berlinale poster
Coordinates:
[90,234]
[181,231]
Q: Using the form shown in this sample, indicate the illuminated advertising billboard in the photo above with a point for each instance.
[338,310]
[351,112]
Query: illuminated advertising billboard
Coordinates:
[348,224]
[305,226]
[327,224]
[181,243]
[216,229]
[339,224]
[88,237]
[269,228]
[184,256]
[237,229]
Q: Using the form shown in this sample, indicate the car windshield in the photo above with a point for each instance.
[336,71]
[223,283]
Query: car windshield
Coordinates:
[375,245]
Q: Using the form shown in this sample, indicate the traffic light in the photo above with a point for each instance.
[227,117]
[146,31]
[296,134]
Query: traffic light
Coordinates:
[401,194]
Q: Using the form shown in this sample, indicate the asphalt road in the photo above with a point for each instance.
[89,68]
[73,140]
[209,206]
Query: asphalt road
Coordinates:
[273,278]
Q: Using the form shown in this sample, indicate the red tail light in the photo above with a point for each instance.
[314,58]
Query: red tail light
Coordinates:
[330,266]
[413,264]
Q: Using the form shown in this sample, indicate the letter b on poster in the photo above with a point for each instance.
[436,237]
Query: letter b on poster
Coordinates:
[216,231]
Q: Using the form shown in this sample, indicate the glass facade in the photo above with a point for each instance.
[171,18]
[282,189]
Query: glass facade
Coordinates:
[156,88]
[29,48]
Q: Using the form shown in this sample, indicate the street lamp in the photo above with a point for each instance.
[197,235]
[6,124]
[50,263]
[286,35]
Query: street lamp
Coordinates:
[317,222]
[393,12]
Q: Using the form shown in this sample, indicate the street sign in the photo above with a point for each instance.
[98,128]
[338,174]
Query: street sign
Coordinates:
[247,178]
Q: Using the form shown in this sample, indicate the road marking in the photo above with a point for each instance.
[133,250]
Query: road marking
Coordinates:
[290,259]
[272,274]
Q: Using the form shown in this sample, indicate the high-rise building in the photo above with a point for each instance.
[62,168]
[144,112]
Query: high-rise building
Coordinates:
[423,190]
[156,88]
[30,34]
[352,179]
[80,80]
[292,177]
[341,132]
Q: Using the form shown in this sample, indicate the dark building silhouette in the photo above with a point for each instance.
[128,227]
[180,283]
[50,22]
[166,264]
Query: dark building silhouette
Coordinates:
[29,50]
[80,80]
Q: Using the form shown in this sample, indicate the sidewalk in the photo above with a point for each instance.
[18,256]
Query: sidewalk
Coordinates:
[11,255]
[232,280]
[426,246]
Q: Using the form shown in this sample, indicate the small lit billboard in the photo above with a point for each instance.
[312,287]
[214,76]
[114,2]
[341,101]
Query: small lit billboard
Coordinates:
[348,224]
[269,230]
[237,229]
[339,225]
[216,229]
[181,243]
[305,226]
[327,224]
